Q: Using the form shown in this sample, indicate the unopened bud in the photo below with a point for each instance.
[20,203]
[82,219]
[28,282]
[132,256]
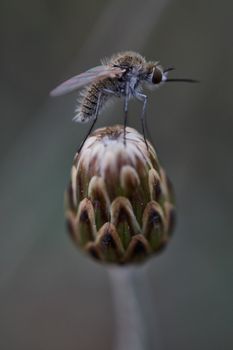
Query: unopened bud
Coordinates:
[120,203]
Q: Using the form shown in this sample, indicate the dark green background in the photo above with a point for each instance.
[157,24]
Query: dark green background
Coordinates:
[51,296]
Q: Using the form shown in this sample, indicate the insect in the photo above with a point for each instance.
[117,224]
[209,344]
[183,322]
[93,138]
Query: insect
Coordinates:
[123,75]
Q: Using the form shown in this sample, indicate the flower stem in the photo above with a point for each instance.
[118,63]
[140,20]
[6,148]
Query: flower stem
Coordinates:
[132,309]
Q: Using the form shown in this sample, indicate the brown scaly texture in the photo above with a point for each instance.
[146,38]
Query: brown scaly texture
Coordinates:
[119,203]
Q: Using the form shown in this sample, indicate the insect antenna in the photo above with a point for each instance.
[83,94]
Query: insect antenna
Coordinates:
[168,69]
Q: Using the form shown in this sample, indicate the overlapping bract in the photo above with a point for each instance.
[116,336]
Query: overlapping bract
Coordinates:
[119,204]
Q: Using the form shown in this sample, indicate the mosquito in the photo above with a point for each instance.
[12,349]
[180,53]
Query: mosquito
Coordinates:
[123,75]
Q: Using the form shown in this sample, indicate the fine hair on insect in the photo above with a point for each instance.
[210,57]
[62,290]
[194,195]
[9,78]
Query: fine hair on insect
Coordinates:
[123,75]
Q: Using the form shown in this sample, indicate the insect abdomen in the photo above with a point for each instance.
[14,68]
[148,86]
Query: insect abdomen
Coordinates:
[87,104]
[88,101]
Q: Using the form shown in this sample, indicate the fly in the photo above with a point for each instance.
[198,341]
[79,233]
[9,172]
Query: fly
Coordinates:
[123,75]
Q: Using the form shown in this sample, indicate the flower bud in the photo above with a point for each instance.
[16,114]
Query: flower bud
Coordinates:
[119,203]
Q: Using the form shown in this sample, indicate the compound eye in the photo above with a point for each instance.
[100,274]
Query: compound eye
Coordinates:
[157,76]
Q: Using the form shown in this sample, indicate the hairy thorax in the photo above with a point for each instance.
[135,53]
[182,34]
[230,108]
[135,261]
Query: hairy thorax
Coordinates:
[104,90]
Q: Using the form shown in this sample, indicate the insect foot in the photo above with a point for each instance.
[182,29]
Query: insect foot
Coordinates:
[119,205]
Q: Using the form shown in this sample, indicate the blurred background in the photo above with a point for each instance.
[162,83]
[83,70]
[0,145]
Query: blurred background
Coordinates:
[51,296]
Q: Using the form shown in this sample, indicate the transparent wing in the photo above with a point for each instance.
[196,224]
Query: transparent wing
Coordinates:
[93,74]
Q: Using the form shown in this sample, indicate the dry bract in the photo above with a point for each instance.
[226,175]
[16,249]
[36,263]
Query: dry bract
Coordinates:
[119,203]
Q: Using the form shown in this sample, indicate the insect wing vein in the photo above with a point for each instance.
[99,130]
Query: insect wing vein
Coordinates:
[93,74]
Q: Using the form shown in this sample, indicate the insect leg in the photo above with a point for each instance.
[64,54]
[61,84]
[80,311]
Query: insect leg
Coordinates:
[143,98]
[93,123]
[108,91]
[126,110]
